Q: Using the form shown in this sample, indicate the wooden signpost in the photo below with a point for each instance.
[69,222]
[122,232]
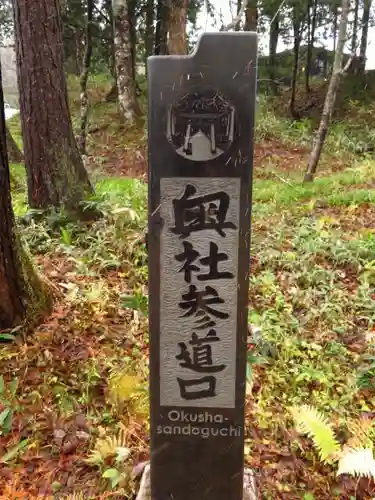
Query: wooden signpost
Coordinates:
[201,110]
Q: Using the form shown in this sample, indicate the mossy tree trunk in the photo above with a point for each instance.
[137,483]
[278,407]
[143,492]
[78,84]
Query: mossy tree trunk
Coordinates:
[55,171]
[22,295]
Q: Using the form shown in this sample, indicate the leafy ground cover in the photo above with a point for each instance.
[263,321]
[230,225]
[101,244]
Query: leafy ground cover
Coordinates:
[74,393]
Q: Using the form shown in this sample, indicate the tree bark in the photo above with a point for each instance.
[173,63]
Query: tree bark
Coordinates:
[251,16]
[124,65]
[133,34]
[22,293]
[330,96]
[311,41]
[161,31]
[355,26]
[15,155]
[238,25]
[149,28]
[177,40]
[297,42]
[274,37]
[335,15]
[55,172]
[84,78]
[365,27]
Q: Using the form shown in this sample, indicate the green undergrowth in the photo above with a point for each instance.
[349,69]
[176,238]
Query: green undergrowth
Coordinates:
[311,307]
[351,186]
[312,299]
[352,135]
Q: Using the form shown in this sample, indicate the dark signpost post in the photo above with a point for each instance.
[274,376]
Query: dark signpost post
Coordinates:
[200,172]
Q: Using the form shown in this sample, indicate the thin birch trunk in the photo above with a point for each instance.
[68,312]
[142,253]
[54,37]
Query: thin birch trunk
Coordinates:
[330,96]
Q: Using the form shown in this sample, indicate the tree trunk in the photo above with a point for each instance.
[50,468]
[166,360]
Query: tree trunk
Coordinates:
[14,153]
[365,26]
[330,97]
[335,14]
[297,42]
[311,41]
[161,31]
[55,172]
[251,15]
[274,37]
[177,40]
[22,294]
[355,27]
[124,66]
[149,28]
[133,35]
[238,25]
[84,78]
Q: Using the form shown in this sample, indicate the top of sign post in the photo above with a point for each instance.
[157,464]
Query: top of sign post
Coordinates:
[201,106]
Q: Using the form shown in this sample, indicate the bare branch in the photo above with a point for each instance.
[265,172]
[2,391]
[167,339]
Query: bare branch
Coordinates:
[101,13]
[277,12]
[236,19]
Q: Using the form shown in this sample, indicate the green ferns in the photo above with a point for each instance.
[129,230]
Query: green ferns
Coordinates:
[313,423]
[354,458]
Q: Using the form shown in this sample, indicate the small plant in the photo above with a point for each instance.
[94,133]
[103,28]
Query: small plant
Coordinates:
[110,447]
[128,390]
[137,301]
[9,402]
[111,454]
[354,458]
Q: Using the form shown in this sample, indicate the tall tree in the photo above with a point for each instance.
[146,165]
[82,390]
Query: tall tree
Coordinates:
[274,37]
[22,293]
[311,20]
[73,23]
[297,34]
[123,61]
[55,172]
[132,17]
[330,96]
[84,78]
[177,40]
[355,26]
[161,30]
[364,37]
[149,27]
[251,16]
[14,153]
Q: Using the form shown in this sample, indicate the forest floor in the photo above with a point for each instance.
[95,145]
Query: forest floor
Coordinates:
[74,393]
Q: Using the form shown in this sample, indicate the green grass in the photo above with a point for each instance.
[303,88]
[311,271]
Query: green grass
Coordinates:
[333,189]
[124,191]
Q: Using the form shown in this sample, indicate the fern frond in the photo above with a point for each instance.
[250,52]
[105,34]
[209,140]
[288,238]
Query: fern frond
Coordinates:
[357,463]
[360,430]
[109,446]
[313,423]
[75,496]
[122,387]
